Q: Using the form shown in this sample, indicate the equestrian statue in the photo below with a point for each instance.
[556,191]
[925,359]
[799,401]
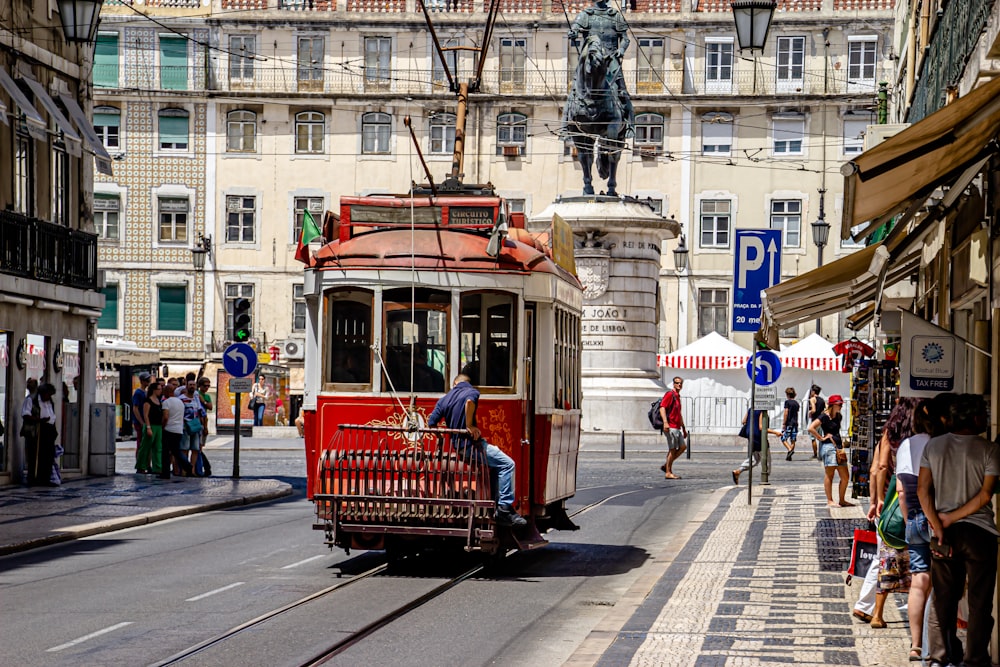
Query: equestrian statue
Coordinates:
[599,115]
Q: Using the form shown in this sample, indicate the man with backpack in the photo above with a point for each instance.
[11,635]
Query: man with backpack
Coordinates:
[673,427]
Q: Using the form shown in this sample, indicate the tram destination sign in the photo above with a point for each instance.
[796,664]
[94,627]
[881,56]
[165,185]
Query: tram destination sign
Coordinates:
[470,215]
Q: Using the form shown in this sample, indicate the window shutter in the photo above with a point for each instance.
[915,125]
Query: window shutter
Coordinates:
[173,129]
[106,61]
[109,316]
[172,315]
[173,62]
[107,119]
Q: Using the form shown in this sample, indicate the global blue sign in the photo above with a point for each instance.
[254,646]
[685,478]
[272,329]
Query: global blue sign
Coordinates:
[757,266]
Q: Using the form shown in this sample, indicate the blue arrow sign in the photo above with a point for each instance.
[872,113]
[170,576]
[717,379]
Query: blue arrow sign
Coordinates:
[239,360]
[768,368]
[757,266]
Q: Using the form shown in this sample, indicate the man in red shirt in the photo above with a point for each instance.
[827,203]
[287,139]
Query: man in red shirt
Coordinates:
[673,427]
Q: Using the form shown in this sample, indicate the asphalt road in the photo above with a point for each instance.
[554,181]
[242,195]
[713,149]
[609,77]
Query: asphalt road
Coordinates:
[138,596]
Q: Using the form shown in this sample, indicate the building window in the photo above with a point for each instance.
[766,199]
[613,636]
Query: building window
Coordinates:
[174,129]
[861,55]
[450,57]
[241,131]
[236,291]
[242,51]
[512,133]
[715,223]
[310,63]
[788,132]
[849,243]
[109,316]
[106,60]
[719,65]
[791,54]
[713,312]
[786,215]
[376,128]
[24,169]
[312,204]
[60,183]
[716,134]
[649,130]
[173,213]
[298,308]
[512,54]
[107,209]
[107,124]
[240,219]
[378,53]
[442,133]
[516,205]
[649,72]
[310,128]
[173,62]
[171,308]
[855,126]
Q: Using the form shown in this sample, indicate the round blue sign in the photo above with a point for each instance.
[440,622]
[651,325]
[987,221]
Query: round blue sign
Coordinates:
[239,360]
[768,368]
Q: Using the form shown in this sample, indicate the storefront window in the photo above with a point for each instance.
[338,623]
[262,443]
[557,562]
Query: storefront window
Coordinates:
[416,340]
[488,339]
[5,421]
[67,355]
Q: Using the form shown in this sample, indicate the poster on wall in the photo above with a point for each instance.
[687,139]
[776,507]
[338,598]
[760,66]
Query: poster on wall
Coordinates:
[225,402]
[932,359]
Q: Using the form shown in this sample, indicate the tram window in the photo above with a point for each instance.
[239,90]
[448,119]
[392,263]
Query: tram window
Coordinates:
[415,352]
[567,360]
[349,337]
[487,342]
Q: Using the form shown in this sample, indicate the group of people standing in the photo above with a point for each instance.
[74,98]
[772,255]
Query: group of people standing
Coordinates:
[170,418]
[38,428]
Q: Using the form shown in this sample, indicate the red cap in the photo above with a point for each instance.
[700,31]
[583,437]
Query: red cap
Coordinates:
[836,399]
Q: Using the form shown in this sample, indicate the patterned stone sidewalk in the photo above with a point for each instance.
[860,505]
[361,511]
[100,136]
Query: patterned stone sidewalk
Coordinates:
[753,585]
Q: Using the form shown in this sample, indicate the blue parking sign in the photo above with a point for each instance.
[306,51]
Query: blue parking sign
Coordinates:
[757,266]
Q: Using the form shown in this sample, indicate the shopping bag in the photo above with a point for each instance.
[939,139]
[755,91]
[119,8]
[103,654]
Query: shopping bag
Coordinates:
[863,552]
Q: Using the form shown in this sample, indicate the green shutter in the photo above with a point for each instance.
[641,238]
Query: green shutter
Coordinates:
[106,61]
[109,316]
[172,315]
[173,130]
[173,62]
[107,119]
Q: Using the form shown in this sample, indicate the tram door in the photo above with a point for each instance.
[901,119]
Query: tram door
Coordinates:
[528,419]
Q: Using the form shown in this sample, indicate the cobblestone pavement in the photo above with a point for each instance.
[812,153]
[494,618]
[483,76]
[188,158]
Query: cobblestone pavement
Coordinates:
[760,584]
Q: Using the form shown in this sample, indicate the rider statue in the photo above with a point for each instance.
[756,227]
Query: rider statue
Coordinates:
[607,24]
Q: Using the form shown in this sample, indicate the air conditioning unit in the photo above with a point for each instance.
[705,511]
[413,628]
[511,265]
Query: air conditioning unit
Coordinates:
[876,134]
[293,348]
[511,151]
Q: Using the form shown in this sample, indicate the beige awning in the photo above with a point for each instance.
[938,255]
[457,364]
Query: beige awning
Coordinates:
[35,123]
[89,135]
[66,127]
[904,170]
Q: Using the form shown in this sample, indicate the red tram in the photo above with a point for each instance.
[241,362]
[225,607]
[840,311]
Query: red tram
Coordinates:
[412,290]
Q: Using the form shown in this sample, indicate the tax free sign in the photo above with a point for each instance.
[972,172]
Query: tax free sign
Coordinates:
[757,266]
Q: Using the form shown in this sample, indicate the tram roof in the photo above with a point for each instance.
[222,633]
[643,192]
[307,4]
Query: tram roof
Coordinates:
[439,249]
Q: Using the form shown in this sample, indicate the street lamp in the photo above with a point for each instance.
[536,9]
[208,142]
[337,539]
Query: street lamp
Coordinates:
[79,19]
[681,256]
[201,251]
[821,234]
[753,20]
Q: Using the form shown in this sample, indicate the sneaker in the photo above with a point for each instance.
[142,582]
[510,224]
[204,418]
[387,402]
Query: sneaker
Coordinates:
[506,516]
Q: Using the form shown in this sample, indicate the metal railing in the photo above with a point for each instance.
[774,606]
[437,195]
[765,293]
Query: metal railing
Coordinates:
[43,251]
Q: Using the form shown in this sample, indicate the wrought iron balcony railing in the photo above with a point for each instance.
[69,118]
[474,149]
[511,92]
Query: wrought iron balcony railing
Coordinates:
[40,250]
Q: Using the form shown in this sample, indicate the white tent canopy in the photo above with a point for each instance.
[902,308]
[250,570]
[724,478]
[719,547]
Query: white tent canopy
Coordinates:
[812,353]
[711,352]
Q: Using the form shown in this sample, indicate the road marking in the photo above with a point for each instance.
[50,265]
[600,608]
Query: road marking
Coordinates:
[303,562]
[84,638]
[217,590]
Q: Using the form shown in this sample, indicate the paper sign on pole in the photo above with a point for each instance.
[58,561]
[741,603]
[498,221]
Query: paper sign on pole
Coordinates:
[562,244]
[765,398]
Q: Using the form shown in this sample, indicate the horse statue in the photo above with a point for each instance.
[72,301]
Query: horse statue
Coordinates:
[598,116]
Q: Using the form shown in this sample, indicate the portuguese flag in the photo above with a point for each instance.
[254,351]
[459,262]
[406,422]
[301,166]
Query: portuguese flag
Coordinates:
[310,231]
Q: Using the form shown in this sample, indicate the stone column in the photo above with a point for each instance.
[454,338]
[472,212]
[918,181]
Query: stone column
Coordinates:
[617,252]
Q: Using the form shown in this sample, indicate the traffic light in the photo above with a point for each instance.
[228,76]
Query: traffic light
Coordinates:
[241,320]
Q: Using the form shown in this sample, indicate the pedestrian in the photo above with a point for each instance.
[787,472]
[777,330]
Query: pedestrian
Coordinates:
[139,400]
[173,431]
[204,385]
[674,429]
[458,410]
[790,423]
[814,410]
[918,534]
[193,413]
[149,457]
[258,401]
[753,430]
[825,430]
[958,472]
[40,447]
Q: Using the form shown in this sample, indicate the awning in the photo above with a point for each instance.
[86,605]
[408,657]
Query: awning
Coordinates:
[36,124]
[862,318]
[904,170]
[89,135]
[711,352]
[73,143]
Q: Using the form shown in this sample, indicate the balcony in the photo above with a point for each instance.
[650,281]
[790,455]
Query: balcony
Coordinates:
[50,253]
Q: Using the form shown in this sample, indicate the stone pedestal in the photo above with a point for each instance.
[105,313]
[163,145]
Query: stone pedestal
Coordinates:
[617,252]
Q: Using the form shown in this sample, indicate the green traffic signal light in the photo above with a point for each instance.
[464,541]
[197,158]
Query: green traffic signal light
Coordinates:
[241,320]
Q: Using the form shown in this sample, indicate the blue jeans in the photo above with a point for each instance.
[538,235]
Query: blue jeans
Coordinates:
[918,542]
[258,414]
[498,463]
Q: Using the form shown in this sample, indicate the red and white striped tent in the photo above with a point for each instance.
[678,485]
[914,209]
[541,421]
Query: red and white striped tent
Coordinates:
[711,352]
[812,353]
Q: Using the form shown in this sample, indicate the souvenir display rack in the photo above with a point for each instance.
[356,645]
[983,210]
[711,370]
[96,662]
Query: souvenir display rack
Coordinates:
[874,388]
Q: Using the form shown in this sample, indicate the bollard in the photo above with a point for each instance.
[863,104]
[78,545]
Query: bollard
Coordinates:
[688,438]
[623,446]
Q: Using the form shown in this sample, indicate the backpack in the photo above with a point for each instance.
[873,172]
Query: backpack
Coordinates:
[655,420]
[891,524]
